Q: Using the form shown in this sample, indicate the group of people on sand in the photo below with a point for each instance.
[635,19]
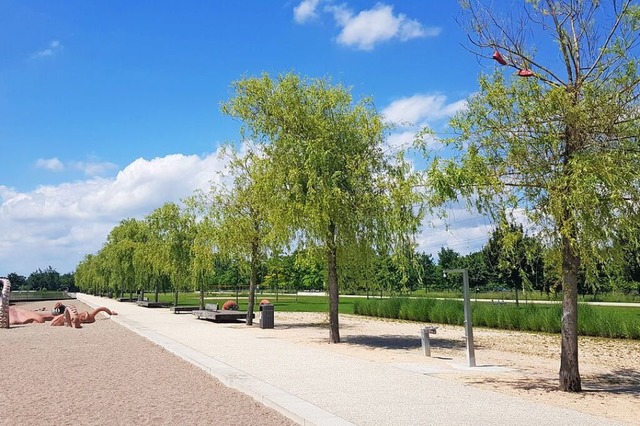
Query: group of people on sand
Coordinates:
[60,315]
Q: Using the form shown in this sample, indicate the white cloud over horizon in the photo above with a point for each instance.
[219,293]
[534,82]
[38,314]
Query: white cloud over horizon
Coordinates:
[57,225]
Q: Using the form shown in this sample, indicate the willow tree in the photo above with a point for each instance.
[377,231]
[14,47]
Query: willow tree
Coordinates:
[554,135]
[237,214]
[122,243]
[172,233]
[93,273]
[203,255]
[331,185]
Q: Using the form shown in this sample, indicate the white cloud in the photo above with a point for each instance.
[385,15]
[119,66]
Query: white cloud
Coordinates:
[52,164]
[54,47]
[58,225]
[421,108]
[305,11]
[463,231]
[364,29]
[369,27]
[93,168]
[89,168]
[413,113]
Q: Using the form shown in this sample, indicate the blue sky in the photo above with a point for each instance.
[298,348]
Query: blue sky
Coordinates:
[108,109]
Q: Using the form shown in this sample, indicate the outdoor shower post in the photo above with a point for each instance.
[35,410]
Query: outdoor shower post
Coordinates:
[468,327]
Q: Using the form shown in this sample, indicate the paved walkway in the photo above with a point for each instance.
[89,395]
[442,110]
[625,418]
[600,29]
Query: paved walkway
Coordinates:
[317,387]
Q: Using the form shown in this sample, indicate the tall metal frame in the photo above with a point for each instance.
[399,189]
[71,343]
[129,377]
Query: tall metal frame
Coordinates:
[468,327]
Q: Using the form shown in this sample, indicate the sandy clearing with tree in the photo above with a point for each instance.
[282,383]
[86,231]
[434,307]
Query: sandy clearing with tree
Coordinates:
[105,373]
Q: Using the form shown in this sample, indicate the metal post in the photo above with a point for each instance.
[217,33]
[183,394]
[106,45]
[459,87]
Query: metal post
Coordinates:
[468,327]
[426,344]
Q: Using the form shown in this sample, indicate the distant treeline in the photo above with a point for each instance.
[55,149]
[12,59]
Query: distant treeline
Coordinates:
[48,279]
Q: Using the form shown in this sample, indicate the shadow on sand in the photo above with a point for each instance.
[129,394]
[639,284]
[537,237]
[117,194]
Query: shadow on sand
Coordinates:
[618,382]
[402,342]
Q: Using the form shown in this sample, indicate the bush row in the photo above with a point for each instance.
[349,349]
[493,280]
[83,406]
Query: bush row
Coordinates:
[593,321]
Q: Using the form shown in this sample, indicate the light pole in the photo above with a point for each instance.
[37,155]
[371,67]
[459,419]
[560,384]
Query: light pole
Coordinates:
[468,328]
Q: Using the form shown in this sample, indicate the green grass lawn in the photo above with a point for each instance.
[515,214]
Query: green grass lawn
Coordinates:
[282,302]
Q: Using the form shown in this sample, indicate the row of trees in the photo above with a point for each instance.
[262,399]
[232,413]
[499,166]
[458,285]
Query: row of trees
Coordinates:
[555,141]
[42,280]
[315,179]
[510,260]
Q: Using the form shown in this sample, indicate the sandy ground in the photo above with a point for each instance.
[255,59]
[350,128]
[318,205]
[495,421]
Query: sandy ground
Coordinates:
[610,369]
[106,374]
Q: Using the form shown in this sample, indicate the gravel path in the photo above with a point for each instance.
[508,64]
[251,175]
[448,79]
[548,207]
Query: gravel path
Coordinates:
[105,374]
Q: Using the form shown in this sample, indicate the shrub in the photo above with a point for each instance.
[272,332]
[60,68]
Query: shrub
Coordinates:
[593,320]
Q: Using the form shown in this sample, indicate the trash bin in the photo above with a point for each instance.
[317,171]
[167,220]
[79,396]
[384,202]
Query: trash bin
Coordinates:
[266,315]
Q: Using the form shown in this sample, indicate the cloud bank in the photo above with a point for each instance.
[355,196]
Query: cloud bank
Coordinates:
[58,225]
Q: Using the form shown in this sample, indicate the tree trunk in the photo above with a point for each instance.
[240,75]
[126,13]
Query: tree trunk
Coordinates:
[253,279]
[569,373]
[4,306]
[175,298]
[332,283]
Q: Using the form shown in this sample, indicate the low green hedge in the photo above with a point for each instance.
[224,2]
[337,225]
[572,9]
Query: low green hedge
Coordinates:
[597,321]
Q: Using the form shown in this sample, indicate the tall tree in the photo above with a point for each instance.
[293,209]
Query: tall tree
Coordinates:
[237,215]
[120,250]
[18,282]
[172,235]
[558,138]
[513,255]
[331,183]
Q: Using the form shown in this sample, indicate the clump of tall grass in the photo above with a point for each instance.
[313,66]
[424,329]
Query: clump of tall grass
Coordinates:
[592,320]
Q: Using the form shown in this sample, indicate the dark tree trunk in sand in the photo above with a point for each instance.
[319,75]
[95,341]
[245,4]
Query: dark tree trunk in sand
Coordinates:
[253,279]
[569,372]
[332,283]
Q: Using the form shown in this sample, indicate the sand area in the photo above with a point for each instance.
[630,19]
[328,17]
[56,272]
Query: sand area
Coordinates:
[106,374]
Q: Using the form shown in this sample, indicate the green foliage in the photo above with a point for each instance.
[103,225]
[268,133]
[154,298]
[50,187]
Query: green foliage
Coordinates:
[595,320]
[560,146]
[332,188]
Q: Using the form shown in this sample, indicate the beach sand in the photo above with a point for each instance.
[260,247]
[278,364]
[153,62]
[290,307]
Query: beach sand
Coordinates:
[106,374]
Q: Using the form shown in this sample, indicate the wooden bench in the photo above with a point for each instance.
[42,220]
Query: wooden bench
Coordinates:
[212,313]
[178,309]
[148,304]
